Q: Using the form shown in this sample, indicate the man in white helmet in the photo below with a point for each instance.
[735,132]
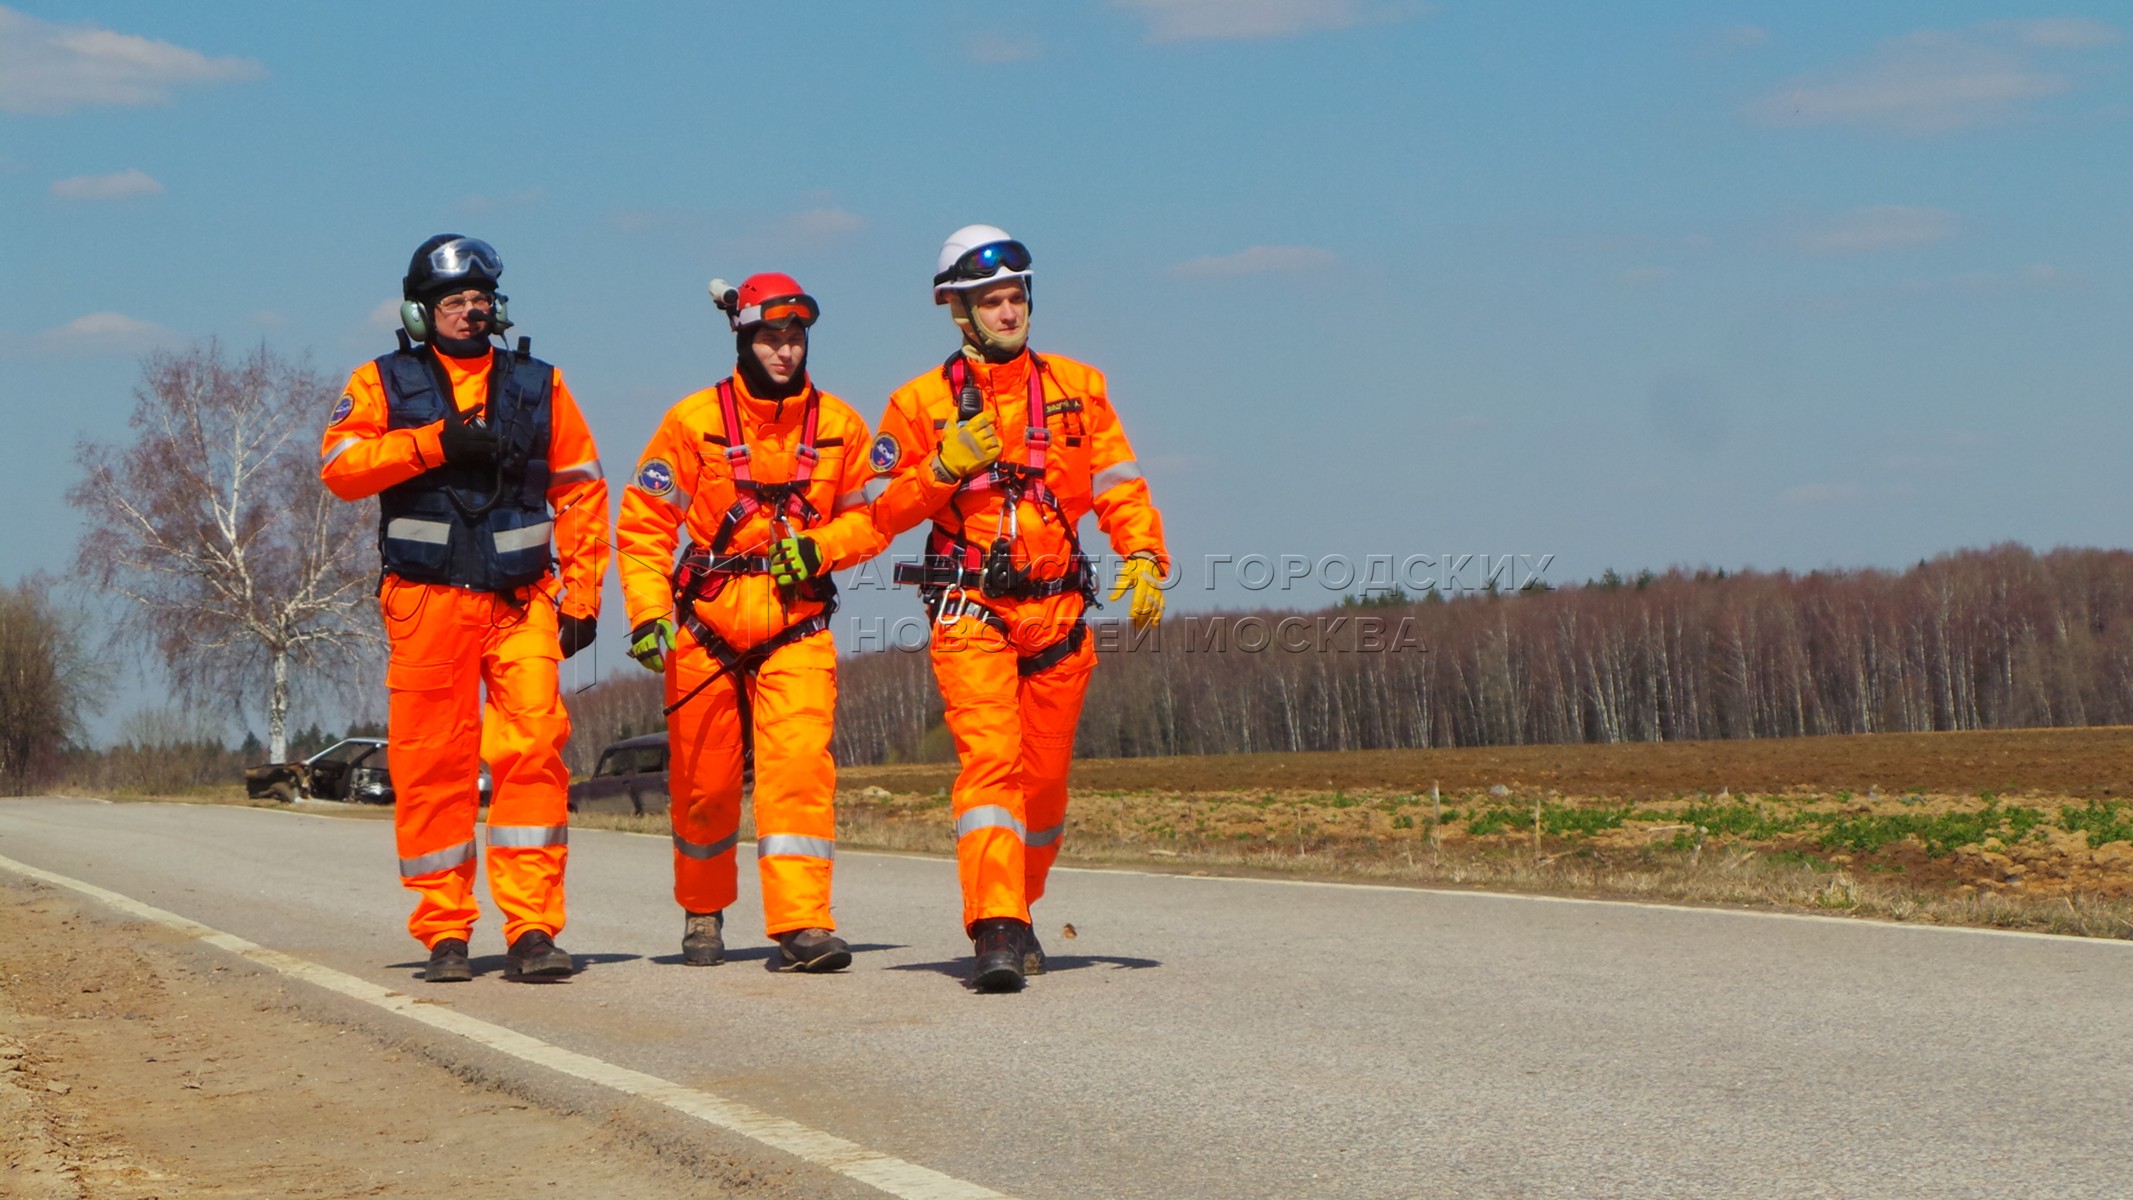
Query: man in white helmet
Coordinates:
[1005,451]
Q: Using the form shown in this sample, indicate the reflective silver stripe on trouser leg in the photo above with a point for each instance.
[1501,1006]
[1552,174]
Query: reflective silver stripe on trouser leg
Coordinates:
[508,540]
[1045,837]
[700,850]
[520,837]
[796,845]
[988,816]
[415,529]
[441,860]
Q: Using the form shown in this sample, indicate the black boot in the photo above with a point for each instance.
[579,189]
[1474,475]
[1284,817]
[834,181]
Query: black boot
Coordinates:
[703,939]
[448,962]
[998,943]
[813,950]
[535,958]
[1032,954]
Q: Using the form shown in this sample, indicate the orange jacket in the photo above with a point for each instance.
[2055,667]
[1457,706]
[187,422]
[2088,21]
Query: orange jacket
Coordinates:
[360,457]
[1089,467]
[683,479]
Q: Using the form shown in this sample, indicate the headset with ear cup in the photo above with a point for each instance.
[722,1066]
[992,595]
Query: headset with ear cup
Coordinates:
[415,317]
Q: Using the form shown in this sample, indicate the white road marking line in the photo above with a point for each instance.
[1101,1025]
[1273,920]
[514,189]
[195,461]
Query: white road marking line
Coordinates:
[879,1171]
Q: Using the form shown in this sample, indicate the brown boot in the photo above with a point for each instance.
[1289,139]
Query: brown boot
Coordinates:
[813,950]
[535,958]
[703,939]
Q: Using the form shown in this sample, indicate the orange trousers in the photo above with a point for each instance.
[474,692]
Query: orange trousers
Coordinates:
[793,699]
[447,643]
[1014,735]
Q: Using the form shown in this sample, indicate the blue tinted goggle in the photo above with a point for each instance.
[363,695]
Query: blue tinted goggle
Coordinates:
[985,262]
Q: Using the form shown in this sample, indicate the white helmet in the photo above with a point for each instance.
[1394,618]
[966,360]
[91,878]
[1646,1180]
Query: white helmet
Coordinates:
[976,255]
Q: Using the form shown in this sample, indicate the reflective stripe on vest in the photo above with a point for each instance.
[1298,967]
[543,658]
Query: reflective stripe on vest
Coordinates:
[1045,837]
[700,850]
[440,860]
[508,540]
[415,529]
[524,837]
[795,845]
[987,816]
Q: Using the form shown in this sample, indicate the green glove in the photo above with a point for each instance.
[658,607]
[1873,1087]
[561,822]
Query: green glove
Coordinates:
[650,642]
[969,447]
[795,560]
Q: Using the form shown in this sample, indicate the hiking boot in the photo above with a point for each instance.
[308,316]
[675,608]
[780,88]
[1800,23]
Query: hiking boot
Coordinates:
[703,939]
[998,942]
[448,962]
[535,958]
[1032,954]
[813,950]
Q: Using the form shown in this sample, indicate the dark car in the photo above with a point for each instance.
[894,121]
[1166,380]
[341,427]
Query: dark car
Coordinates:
[353,769]
[631,777]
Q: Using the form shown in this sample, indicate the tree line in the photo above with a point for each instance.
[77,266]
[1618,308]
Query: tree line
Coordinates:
[1983,639]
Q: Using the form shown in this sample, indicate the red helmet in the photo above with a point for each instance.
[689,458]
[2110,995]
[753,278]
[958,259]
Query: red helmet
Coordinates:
[766,299]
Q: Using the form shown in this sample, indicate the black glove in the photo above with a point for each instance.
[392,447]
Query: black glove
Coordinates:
[575,633]
[467,445]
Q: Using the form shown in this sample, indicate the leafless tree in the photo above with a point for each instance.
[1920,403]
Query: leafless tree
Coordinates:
[46,684]
[238,565]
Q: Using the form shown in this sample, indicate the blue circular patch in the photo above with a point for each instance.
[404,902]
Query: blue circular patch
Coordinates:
[656,477]
[885,454]
[341,410]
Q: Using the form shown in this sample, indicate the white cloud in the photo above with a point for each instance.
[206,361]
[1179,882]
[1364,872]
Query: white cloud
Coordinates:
[995,49]
[817,224]
[1885,227]
[385,316]
[116,186]
[49,67]
[1937,81]
[480,205]
[1191,20]
[1256,260]
[91,334]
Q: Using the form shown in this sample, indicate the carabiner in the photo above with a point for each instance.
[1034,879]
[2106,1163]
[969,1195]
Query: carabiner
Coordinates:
[955,600]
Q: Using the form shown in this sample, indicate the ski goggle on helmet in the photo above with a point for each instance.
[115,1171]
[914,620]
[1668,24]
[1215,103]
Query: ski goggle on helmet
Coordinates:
[770,298]
[983,262]
[463,258]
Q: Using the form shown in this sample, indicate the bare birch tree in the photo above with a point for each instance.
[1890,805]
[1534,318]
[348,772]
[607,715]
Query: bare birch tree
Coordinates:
[238,564]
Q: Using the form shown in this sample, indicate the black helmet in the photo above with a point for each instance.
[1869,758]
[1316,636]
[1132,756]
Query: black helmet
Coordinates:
[450,262]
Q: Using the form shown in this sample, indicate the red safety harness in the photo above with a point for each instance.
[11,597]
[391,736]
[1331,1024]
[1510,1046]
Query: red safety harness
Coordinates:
[955,567]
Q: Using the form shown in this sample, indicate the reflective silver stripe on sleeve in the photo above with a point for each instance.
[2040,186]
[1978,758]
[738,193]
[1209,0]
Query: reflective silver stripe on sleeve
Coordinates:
[851,500]
[338,449]
[1113,475]
[771,844]
[528,538]
[589,469]
[674,496]
[699,850]
[1045,837]
[442,860]
[875,487]
[987,816]
[520,837]
[414,529]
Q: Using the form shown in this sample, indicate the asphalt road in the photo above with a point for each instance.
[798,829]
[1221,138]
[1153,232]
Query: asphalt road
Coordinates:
[1237,1038]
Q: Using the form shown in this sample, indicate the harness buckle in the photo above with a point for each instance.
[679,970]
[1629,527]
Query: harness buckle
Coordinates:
[955,601]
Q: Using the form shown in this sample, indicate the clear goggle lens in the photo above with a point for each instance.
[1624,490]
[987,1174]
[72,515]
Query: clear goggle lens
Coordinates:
[466,256]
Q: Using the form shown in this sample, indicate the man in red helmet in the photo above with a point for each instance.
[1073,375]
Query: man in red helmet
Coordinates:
[1005,452]
[764,473]
[484,472]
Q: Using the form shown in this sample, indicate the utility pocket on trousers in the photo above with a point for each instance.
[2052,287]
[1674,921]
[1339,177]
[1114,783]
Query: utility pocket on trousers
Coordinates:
[403,676]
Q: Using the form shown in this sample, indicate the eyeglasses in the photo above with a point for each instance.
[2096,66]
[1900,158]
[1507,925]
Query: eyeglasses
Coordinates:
[984,262]
[460,304]
[466,256]
[780,312]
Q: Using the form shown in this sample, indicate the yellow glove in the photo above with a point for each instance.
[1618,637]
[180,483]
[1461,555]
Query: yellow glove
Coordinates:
[1143,577]
[650,642]
[968,448]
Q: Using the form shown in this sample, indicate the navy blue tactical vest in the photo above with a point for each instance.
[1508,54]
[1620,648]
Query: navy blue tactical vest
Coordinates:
[486,527]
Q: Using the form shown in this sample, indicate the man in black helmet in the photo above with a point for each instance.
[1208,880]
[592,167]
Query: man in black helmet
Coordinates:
[485,475]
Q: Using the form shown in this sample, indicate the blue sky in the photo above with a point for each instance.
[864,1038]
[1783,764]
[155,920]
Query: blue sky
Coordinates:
[1639,284]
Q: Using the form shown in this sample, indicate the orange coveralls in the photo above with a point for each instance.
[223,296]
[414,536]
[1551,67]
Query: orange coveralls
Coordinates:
[447,642]
[1014,733]
[684,481]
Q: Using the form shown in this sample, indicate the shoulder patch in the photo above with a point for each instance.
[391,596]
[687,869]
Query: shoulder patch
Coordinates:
[341,410]
[655,477]
[885,454]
